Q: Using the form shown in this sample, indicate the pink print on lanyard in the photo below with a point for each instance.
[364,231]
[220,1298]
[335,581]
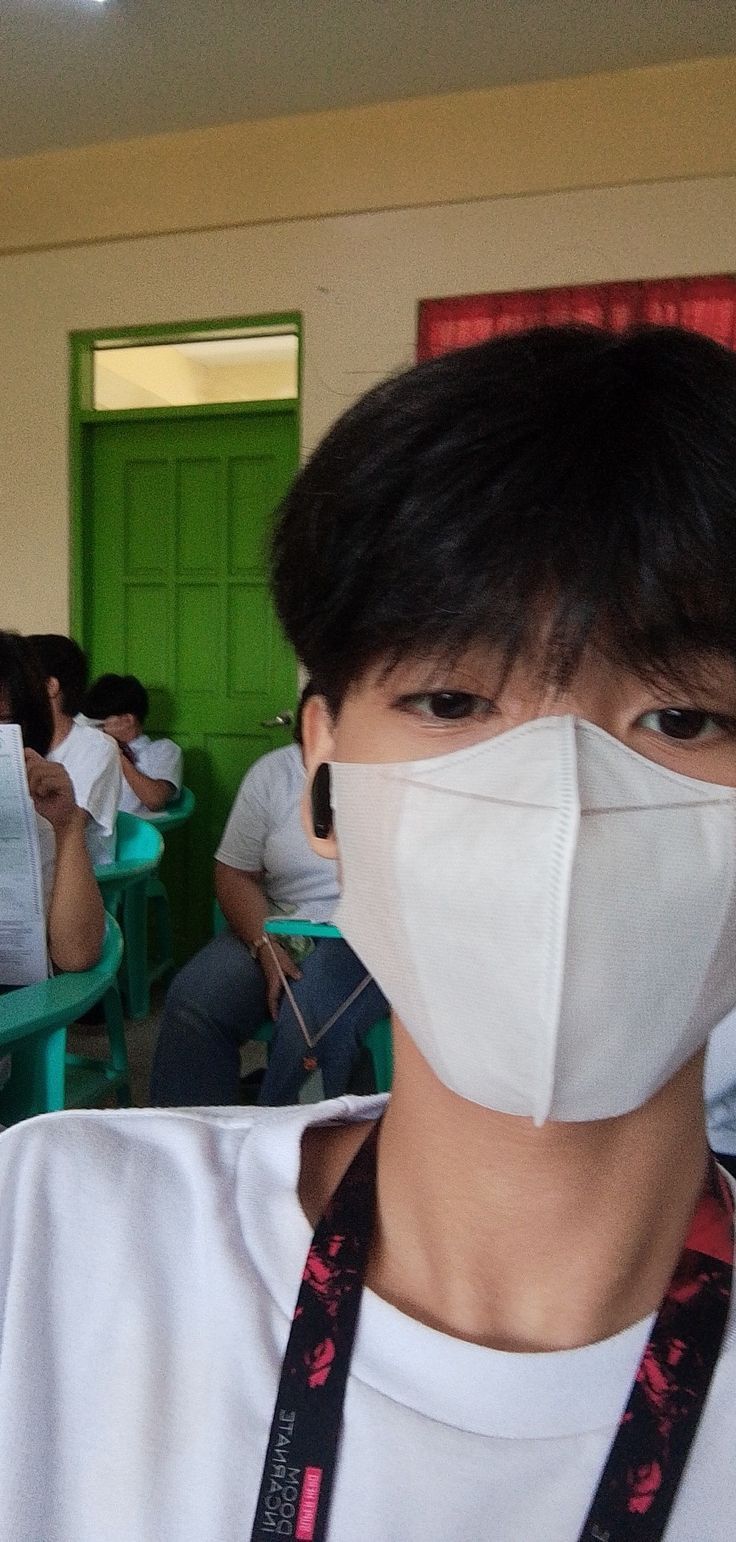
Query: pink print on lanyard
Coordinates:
[309,1499]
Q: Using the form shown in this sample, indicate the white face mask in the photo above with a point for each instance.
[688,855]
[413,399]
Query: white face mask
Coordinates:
[552,916]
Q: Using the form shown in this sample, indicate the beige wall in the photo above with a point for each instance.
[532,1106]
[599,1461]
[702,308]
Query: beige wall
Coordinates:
[641,125]
[666,136]
[356,279]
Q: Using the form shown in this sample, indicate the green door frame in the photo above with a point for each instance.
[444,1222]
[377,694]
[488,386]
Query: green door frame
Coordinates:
[83,415]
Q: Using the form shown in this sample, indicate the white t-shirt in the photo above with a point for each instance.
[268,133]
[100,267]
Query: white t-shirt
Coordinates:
[47,849]
[158,758]
[264,834]
[92,759]
[149,1265]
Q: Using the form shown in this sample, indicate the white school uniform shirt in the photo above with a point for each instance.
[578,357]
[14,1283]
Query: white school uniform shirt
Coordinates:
[264,834]
[92,760]
[47,851]
[149,1267]
[158,758]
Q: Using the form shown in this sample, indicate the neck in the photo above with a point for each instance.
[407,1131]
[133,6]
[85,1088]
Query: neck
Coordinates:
[529,1239]
[63,725]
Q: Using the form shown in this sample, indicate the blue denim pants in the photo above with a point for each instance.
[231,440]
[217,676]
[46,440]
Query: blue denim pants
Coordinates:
[218,1001]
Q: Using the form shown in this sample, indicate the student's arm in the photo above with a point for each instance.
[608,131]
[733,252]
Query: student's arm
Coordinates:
[76,919]
[154,792]
[245,907]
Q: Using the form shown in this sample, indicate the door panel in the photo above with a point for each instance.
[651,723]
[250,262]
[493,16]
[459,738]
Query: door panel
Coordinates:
[176,555]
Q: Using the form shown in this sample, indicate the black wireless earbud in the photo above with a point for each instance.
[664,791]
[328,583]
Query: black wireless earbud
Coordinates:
[322,803]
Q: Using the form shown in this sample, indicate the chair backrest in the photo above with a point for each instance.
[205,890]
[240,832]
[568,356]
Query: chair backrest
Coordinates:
[290,926]
[138,851]
[176,813]
[33,1020]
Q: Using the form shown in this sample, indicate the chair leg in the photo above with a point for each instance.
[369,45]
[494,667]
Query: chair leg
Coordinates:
[160,909]
[135,958]
[119,1066]
[53,1070]
[379,1045]
[36,1084]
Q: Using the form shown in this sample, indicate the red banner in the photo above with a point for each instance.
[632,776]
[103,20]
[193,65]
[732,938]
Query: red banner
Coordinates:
[700,304]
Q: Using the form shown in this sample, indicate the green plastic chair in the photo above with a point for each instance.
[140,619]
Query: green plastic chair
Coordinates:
[124,886]
[176,813]
[33,1028]
[378,1040]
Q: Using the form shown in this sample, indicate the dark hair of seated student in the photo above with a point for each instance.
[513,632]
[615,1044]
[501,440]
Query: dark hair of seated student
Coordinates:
[114,695]
[571,473]
[23,695]
[61,658]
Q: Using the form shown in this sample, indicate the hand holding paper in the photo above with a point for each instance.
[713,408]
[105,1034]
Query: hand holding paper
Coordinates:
[51,791]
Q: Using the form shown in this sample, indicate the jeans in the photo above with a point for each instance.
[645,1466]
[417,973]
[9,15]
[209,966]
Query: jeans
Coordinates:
[218,1001]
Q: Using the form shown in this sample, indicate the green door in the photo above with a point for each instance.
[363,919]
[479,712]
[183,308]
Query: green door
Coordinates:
[176,591]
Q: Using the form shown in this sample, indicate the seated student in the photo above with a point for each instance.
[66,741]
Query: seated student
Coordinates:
[74,909]
[512,570]
[152,769]
[264,865]
[91,758]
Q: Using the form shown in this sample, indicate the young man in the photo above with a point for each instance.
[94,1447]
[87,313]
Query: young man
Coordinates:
[90,758]
[512,572]
[152,769]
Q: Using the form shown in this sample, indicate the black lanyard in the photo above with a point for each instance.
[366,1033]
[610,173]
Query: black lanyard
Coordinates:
[648,1455]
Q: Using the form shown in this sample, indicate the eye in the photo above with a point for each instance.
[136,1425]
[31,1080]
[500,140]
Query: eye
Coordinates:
[447,706]
[688,724]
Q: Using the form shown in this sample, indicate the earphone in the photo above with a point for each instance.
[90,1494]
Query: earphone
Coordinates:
[322,802]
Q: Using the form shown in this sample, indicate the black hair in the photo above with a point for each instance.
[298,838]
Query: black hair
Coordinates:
[111,695]
[62,659]
[571,474]
[27,698]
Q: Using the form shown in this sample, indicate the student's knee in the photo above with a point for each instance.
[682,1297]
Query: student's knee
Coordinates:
[221,985]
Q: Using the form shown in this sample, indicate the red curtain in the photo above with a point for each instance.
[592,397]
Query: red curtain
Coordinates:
[701,304]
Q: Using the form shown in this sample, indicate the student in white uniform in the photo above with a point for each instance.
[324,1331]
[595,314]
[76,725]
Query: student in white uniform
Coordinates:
[152,769]
[511,569]
[74,910]
[91,758]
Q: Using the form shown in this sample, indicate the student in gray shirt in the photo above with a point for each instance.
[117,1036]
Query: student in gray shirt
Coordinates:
[263,866]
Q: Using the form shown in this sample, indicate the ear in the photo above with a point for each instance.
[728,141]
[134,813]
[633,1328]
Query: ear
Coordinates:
[318,746]
[53,687]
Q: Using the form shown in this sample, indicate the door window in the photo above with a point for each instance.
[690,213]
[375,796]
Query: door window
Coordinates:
[256,367]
